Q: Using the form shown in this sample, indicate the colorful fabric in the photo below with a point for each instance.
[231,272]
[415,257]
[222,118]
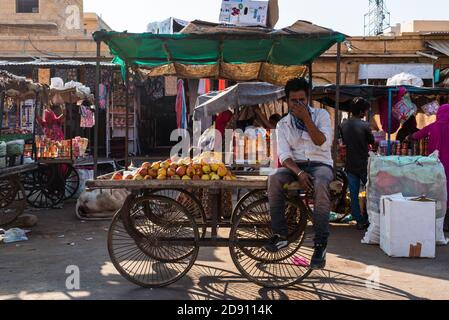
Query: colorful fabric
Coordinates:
[52,125]
[181,107]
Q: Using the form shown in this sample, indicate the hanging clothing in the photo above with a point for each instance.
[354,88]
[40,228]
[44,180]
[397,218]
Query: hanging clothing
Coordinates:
[221,85]
[181,107]
[383,112]
[103,96]
[87,117]
[204,86]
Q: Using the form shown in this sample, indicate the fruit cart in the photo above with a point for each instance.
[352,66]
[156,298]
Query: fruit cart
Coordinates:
[12,193]
[154,239]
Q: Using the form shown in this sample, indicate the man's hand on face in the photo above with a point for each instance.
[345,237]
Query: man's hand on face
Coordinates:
[301,112]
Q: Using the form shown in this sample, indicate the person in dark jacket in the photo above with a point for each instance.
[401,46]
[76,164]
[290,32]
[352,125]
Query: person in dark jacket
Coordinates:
[357,137]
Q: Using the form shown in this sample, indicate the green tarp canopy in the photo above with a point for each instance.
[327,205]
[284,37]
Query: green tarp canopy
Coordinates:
[211,50]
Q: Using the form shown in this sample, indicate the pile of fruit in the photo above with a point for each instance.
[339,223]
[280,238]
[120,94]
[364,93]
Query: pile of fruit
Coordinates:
[184,169]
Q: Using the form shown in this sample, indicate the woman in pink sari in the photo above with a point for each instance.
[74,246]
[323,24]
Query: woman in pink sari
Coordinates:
[438,134]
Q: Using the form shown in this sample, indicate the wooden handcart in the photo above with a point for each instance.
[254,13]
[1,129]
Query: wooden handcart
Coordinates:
[154,239]
[12,193]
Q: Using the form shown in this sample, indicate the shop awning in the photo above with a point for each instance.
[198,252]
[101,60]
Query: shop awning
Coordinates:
[440,46]
[242,94]
[205,50]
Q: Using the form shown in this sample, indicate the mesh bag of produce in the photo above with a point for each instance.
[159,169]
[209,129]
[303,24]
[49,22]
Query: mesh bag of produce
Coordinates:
[411,176]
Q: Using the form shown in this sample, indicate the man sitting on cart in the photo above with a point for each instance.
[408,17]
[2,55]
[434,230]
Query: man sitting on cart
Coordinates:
[304,139]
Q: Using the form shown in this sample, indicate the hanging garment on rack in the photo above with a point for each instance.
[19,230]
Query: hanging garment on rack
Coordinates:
[221,85]
[87,117]
[181,107]
[204,86]
[103,96]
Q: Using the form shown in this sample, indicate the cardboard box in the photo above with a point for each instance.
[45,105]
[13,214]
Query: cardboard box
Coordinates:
[407,227]
[244,12]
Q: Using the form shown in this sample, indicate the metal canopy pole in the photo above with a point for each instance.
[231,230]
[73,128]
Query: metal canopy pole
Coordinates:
[310,83]
[337,105]
[97,106]
[390,107]
[127,115]
[2,98]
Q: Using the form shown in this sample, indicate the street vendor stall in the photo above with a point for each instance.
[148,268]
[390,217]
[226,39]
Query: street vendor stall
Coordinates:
[57,179]
[12,146]
[154,239]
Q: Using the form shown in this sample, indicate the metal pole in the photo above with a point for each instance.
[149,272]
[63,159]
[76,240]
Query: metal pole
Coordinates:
[337,104]
[390,106]
[97,106]
[2,98]
[127,115]
[310,83]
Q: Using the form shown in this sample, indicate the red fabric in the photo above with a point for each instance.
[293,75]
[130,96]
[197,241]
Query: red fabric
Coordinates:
[221,85]
[383,112]
[222,120]
[207,86]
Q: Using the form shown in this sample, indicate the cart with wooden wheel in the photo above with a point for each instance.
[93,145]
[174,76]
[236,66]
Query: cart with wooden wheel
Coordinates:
[52,182]
[12,194]
[154,239]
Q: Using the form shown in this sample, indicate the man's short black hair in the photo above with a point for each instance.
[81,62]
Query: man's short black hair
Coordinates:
[359,105]
[297,84]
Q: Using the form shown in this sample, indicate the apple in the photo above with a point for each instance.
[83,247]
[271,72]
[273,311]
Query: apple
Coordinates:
[222,171]
[205,177]
[165,165]
[181,171]
[161,177]
[186,178]
[137,177]
[176,177]
[148,178]
[152,173]
[128,177]
[174,166]
[162,172]
[143,172]
[199,172]
[215,177]
[156,165]
[117,176]
[196,177]
[146,165]
[206,169]
[190,171]
[227,178]
[214,167]
[170,172]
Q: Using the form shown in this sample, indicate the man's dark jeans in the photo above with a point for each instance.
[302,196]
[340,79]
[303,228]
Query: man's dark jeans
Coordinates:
[354,181]
[323,175]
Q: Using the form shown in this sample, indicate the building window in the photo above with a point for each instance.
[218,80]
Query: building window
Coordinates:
[27,6]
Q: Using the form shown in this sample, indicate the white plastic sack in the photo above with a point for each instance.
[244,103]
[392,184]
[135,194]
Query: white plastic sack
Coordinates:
[405,79]
[56,83]
[411,176]
[84,175]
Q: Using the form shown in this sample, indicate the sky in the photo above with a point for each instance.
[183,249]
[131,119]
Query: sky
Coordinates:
[346,16]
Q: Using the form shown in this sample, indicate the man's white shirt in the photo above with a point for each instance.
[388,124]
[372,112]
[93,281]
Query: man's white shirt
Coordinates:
[297,145]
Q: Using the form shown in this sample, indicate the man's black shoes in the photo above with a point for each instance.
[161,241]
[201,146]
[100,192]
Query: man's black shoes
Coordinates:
[319,257]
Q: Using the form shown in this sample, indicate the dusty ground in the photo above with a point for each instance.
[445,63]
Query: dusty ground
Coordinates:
[36,269]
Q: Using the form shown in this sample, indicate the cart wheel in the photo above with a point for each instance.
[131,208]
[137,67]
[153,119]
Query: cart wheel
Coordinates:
[148,253]
[44,188]
[190,202]
[252,230]
[12,200]
[247,200]
[72,180]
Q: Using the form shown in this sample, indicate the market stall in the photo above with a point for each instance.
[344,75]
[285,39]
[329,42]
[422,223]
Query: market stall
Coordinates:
[14,157]
[57,178]
[206,50]
[400,170]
